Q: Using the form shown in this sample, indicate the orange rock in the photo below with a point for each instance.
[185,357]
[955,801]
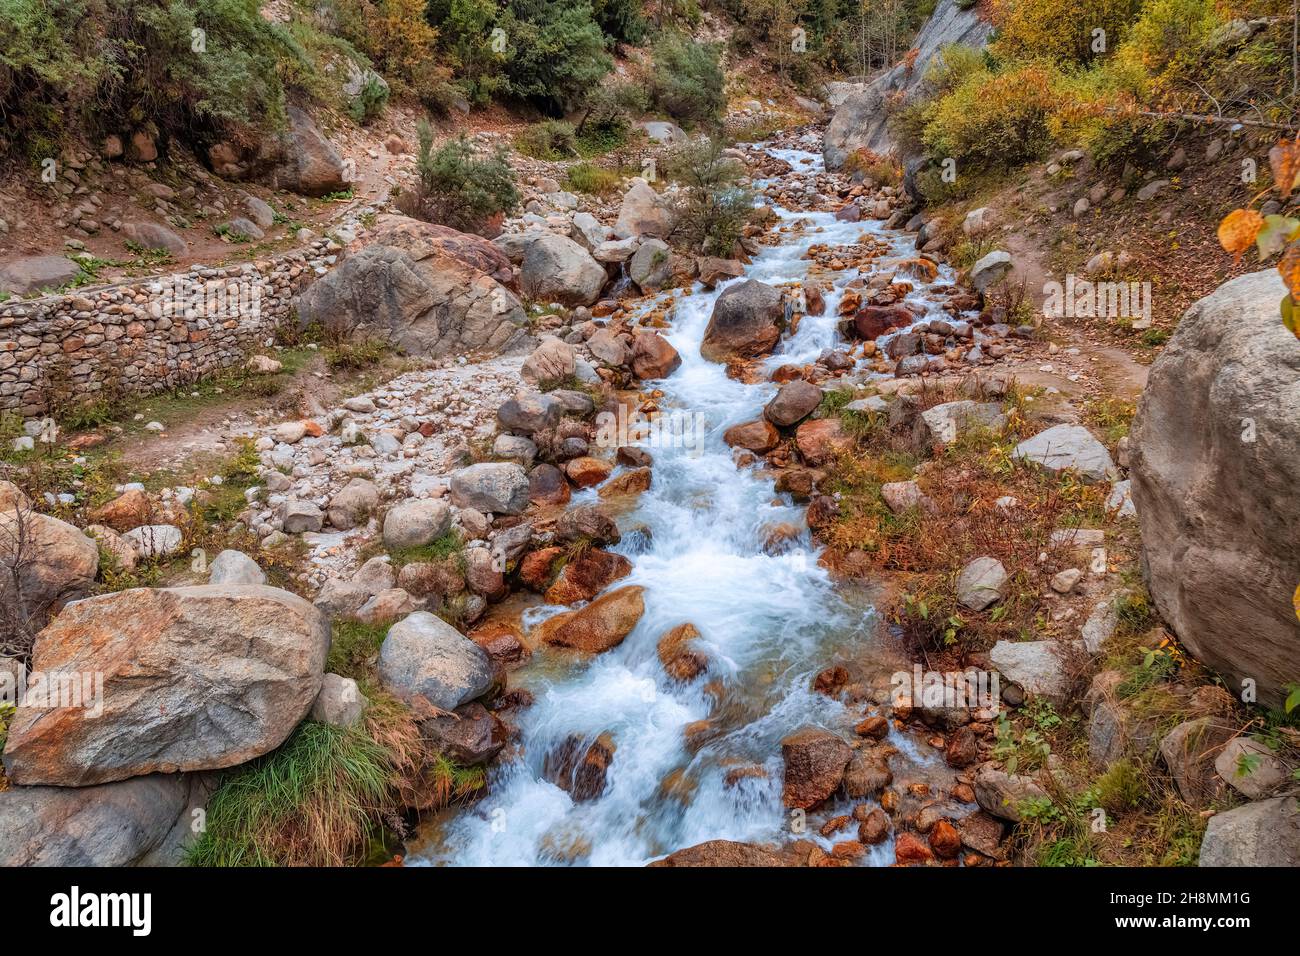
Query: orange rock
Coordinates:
[945,840]
[586,472]
[678,658]
[910,849]
[602,624]
[131,509]
[587,575]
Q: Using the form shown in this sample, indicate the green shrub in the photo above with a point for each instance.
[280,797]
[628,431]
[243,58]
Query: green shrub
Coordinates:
[556,51]
[458,186]
[119,65]
[589,178]
[995,119]
[551,140]
[687,82]
[620,19]
[370,102]
[355,355]
[1169,40]
[712,211]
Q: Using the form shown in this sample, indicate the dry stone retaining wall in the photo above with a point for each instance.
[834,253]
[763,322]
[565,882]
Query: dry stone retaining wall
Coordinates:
[142,336]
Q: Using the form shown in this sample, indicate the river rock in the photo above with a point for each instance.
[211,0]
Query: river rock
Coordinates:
[580,765]
[424,657]
[643,213]
[1034,666]
[1215,468]
[550,364]
[557,269]
[746,322]
[820,440]
[469,736]
[794,402]
[815,760]
[415,523]
[653,356]
[195,678]
[587,523]
[651,267]
[758,436]
[602,624]
[235,567]
[530,412]
[491,486]
[678,654]
[585,576]
[109,825]
[1004,795]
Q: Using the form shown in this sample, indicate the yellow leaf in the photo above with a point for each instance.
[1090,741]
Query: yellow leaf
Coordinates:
[1290,269]
[1284,158]
[1238,230]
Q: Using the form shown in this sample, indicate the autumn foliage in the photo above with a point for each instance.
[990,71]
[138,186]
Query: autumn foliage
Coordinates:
[1243,228]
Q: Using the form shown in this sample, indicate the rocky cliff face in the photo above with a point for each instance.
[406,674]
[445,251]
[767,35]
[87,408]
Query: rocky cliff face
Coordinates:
[1216,465]
[861,119]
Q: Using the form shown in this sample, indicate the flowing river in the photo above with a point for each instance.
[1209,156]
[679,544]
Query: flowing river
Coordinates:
[769,624]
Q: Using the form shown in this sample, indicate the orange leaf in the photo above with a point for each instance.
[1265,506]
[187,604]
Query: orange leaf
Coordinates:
[1238,230]
[1284,158]
[1290,269]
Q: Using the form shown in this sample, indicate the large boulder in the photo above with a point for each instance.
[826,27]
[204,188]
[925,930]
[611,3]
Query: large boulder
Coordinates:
[1215,468]
[862,119]
[113,824]
[309,164]
[34,273]
[1264,833]
[643,213]
[794,402]
[427,289]
[194,678]
[44,562]
[424,657]
[557,269]
[746,322]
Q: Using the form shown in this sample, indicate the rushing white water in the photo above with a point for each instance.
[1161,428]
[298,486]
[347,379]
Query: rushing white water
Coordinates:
[769,623]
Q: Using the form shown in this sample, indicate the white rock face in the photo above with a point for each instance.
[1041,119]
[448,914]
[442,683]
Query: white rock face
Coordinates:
[155,540]
[235,567]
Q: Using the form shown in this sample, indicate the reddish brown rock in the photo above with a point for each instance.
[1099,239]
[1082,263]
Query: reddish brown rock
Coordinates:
[877,728]
[501,641]
[875,828]
[835,825]
[587,575]
[814,766]
[546,486]
[580,765]
[129,510]
[962,750]
[631,482]
[757,436]
[727,853]
[587,472]
[794,402]
[831,681]
[538,569]
[910,849]
[875,320]
[653,356]
[602,624]
[945,841]
[679,659]
[820,440]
